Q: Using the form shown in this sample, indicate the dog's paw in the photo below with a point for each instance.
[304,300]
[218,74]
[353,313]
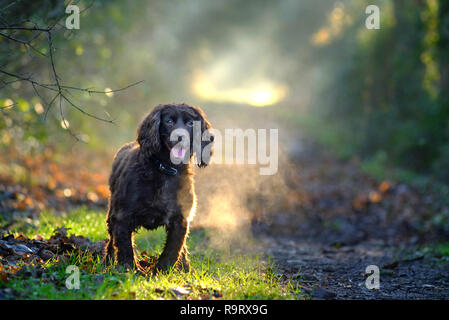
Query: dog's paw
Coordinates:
[163,267]
[126,267]
[184,265]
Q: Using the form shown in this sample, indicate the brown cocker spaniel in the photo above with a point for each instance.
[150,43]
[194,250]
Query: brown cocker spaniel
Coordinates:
[151,183]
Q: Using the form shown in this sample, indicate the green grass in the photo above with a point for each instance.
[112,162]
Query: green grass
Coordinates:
[80,221]
[215,273]
[442,249]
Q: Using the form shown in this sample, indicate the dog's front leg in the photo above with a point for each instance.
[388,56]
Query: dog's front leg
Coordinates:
[177,231]
[124,246]
[184,262]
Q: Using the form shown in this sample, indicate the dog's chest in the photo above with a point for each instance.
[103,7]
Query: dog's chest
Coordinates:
[170,197]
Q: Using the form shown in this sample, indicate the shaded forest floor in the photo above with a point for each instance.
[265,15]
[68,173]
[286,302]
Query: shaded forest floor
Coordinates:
[349,221]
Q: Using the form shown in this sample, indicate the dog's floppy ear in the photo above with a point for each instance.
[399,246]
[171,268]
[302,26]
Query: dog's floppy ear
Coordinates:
[205,125]
[148,132]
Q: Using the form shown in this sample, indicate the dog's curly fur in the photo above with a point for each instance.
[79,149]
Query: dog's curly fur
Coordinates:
[142,195]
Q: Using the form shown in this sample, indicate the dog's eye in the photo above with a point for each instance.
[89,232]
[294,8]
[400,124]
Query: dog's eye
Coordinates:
[189,123]
[169,122]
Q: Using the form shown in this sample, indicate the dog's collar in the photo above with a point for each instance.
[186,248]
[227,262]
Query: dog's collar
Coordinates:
[163,168]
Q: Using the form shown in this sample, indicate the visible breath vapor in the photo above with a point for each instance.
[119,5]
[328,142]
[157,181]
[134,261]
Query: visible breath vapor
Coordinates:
[231,197]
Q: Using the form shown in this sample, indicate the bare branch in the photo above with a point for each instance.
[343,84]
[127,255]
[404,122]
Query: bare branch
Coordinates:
[84,112]
[25,43]
[88,90]
[49,105]
[27,79]
[9,106]
[35,28]
[61,90]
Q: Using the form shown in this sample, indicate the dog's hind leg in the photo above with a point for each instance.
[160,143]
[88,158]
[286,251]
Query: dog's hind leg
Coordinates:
[109,251]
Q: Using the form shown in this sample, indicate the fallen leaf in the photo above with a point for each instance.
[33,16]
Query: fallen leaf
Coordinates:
[391,265]
[384,186]
[375,196]
[180,291]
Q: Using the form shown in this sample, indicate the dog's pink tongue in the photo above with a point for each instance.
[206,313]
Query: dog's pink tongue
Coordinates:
[179,152]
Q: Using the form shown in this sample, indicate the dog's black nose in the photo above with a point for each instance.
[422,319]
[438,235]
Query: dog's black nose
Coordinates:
[179,135]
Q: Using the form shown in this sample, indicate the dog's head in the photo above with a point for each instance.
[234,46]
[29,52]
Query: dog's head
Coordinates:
[175,132]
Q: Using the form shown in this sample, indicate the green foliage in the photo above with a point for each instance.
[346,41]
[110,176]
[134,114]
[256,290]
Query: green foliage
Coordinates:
[443,249]
[84,58]
[389,96]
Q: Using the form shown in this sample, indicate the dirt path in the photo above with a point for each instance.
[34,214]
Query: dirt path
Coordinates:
[347,222]
[328,273]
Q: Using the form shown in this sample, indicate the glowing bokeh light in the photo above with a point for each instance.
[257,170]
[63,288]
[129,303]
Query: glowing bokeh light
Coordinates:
[258,95]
